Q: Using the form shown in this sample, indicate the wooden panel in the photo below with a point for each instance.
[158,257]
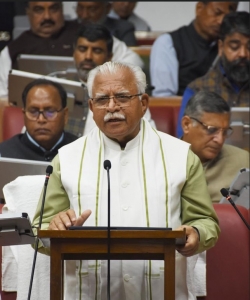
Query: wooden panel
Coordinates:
[165,101]
[2,105]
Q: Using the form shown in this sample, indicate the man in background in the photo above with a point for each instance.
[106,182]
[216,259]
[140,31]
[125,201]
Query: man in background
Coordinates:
[93,47]
[45,115]
[125,10]
[206,125]
[96,12]
[179,57]
[49,34]
[230,76]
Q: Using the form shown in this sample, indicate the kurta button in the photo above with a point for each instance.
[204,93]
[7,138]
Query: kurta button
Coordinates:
[125,207]
[126,277]
[125,184]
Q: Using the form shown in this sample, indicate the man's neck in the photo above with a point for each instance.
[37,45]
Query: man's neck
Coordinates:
[45,147]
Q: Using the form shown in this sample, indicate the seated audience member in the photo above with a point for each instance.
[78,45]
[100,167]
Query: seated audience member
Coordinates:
[206,126]
[179,57]
[93,47]
[125,10]
[49,34]
[231,74]
[176,197]
[45,115]
[97,12]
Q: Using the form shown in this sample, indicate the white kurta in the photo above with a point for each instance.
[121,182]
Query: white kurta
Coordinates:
[143,193]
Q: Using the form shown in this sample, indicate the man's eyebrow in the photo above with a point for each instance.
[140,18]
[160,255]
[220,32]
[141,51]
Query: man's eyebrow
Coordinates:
[122,92]
[101,95]
[234,41]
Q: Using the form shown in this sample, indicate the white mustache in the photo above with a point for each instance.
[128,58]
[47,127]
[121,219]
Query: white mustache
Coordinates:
[114,115]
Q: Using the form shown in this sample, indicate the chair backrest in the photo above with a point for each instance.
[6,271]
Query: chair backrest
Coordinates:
[12,121]
[165,118]
[165,111]
[228,262]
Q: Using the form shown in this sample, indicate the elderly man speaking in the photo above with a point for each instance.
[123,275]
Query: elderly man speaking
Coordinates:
[156,181]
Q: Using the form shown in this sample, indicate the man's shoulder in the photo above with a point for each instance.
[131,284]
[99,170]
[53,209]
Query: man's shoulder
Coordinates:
[206,81]
[230,150]
[71,25]
[69,137]
[22,38]
[10,145]
[180,29]
[121,25]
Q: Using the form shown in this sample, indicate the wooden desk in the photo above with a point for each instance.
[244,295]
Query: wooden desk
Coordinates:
[125,244]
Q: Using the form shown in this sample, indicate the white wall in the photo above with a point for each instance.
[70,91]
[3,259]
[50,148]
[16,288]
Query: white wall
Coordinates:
[161,16]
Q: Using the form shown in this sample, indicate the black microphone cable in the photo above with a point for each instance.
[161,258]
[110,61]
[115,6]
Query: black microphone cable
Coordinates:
[49,171]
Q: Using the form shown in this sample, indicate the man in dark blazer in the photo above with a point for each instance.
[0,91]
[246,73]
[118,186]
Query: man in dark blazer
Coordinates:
[97,12]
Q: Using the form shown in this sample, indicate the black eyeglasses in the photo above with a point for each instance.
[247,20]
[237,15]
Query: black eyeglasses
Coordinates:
[120,99]
[48,114]
[212,130]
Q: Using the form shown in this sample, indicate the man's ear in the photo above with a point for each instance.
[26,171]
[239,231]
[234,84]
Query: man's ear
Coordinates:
[66,115]
[199,7]
[90,105]
[144,102]
[220,47]
[186,123]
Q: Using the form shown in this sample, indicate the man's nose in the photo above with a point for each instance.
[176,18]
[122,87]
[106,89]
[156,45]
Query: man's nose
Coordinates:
[219,138]
[112,106]
[220,18]
[85,15]
[89,54]
[46,14]
[41,118]
[244,52]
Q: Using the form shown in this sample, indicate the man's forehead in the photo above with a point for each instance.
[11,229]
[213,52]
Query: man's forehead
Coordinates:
[84,41]
[43,4]
[119,81]
[91,3]
[214,118]
[237,36]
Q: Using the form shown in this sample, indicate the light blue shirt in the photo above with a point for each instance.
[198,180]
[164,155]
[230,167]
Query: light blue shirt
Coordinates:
[164,67]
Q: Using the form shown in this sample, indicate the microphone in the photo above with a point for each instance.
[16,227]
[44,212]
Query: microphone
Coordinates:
[225,194]
[107,166]
[49,171]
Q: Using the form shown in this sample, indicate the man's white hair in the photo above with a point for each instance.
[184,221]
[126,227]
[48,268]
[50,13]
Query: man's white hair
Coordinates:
[114,67]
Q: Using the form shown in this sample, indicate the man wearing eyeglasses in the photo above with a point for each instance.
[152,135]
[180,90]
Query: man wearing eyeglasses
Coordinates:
[45,115]
[153,178]
[205,126]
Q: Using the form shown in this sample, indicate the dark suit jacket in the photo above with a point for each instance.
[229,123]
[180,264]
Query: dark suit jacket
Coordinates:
[121,29]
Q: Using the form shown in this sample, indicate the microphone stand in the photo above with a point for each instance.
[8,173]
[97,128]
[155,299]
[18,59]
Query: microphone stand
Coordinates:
[49,170]
[108,282]
[107,166]
[225,193]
